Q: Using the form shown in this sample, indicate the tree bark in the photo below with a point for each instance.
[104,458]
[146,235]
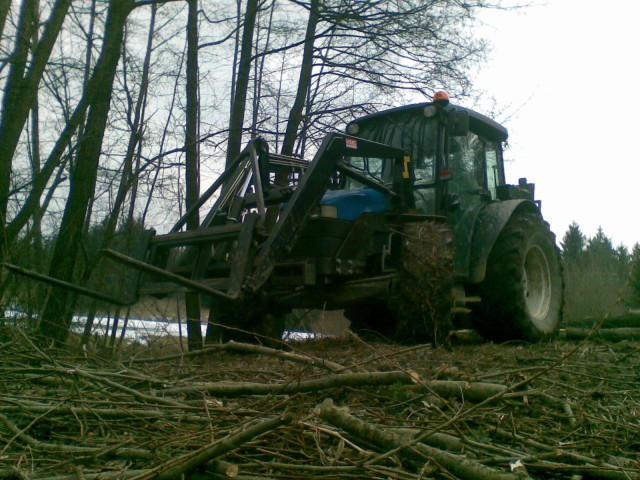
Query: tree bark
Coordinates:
[56,315]
[306,68]
[192,170]
[238,108]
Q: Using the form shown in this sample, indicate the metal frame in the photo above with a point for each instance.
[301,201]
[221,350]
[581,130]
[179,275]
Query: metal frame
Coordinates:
[234,236]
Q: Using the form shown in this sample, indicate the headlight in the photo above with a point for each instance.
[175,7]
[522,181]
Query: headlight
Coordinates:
[329,211]
[353,128]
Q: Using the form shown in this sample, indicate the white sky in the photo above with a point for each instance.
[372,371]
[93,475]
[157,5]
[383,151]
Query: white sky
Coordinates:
[567,73]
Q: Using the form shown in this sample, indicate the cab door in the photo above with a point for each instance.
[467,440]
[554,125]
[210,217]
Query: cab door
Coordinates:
[474,162]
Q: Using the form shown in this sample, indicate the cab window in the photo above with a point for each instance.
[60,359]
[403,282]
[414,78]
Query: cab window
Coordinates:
[474,163]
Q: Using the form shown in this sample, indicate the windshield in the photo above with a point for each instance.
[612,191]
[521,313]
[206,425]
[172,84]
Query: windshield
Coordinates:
[409,131]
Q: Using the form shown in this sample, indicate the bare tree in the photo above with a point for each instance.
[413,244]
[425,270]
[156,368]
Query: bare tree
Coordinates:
[56,315]
[21,89]
[56,160]
[128,176]
[306,68]
[359,56]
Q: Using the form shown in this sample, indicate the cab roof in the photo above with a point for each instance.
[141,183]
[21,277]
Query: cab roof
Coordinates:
[478,123]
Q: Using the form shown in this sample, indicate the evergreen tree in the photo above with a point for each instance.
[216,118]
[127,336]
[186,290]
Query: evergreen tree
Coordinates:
[600,252]
[600,243]
[623,259]
[573,243]
[634,280]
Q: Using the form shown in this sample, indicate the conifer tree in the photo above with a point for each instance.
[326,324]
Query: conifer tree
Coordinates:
[634,280]
[573,243]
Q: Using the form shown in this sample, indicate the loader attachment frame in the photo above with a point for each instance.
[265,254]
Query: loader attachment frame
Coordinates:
[234,251]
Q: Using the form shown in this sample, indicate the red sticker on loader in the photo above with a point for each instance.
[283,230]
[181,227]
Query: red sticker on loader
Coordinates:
[351,143]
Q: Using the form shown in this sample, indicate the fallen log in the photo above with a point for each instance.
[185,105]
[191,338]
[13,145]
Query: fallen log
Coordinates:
[457,465]
[626,320]
[314,385]
[460,390]
[440,440]
[609,334]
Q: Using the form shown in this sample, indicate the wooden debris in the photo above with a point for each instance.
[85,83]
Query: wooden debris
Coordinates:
[458,465]
[608,334]
[544,411]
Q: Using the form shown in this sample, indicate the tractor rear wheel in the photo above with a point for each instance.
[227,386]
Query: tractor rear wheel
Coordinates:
[523,291]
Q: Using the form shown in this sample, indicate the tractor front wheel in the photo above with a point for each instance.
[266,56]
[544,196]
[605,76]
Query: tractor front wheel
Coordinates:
[523,291]
[245,321]
[422,296]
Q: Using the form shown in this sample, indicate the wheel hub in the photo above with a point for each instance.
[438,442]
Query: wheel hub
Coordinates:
[537,287]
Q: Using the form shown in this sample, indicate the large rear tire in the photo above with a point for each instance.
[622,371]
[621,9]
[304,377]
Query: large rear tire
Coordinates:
[523,291]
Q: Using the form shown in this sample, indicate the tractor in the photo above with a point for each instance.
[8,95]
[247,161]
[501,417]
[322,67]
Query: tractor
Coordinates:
[404,222]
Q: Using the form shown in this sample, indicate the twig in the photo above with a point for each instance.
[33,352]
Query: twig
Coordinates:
[175,468]
[445,388]
[314,385]
[249,348]
[135,393]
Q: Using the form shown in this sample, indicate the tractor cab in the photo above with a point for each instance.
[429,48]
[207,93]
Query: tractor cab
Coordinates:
[455,155]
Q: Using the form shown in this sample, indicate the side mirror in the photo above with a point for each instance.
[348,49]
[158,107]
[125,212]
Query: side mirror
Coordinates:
[458,123]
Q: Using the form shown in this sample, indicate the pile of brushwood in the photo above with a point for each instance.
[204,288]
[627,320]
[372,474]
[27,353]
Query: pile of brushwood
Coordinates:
[322,409]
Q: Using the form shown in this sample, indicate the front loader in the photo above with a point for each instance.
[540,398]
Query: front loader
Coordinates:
[400,222]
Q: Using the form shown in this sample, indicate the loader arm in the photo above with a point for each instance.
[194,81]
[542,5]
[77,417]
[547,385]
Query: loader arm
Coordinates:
[233,252]
[310,190]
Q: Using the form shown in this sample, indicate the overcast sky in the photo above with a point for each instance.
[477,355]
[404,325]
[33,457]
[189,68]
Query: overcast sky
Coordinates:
[566,77]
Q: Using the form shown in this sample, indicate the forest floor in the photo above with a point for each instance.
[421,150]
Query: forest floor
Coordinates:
[327,408]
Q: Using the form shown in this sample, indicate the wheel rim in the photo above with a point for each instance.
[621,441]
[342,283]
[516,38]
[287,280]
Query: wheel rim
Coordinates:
[537,287]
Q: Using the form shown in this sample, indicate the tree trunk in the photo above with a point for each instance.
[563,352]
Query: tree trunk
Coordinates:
[236,121]
[10,126]
[295,115]
[4,11]
[56,315]
[192,171]
[126,178]
[31,207]
[35,234]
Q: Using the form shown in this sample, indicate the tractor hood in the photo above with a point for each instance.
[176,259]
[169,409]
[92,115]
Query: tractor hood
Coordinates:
[350,204]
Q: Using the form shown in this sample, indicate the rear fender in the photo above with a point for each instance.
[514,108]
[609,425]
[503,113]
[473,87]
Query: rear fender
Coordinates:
[488,225]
